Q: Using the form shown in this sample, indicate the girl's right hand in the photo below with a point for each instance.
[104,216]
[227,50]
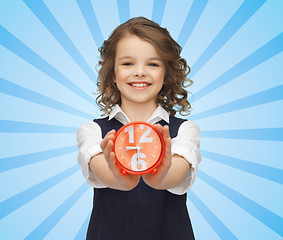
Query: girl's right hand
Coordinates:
[128,181]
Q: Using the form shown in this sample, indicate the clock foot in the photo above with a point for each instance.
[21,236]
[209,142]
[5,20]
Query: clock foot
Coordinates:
[154,171]
[124,172]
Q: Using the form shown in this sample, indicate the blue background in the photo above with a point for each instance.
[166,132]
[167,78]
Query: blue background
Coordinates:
[48,55]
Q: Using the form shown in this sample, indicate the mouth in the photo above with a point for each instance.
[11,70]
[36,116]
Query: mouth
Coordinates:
[139,84]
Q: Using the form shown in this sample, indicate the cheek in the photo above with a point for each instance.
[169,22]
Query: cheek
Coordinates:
[120,78]
[120,74]
[160,77]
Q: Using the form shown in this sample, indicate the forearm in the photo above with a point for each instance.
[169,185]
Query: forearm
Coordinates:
[100,169]
[176,174]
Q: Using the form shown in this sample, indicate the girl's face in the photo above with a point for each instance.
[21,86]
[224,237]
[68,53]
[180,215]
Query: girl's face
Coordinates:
[139,71]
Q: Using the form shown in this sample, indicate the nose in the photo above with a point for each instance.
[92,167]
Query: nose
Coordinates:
[140,71]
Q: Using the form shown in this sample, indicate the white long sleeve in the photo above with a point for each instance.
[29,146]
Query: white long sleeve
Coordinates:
[89,138]
[186,144]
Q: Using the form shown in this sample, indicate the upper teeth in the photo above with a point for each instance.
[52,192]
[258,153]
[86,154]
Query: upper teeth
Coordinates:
[139,84]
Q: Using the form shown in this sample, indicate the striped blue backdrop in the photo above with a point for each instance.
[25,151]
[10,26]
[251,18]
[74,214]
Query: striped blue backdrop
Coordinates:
[48,57]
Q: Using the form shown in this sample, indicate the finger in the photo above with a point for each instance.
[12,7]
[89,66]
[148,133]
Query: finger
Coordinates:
[167,157]
[167,139]
[168,147]
[110,133]
[116,170]
[108,150]
[159,128]
[111,161]
[109,136]
[103,143]
[166,133]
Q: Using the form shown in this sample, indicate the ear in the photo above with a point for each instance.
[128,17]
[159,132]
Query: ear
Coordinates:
[114,78]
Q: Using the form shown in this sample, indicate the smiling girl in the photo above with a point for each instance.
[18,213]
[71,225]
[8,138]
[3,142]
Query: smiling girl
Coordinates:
[142,78]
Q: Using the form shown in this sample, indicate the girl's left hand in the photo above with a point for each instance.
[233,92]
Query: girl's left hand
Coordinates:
[155,180]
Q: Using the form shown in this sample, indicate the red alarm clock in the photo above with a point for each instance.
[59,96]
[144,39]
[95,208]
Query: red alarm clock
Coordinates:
[139,148]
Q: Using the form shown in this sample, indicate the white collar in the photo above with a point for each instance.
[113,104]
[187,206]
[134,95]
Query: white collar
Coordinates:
[159,114]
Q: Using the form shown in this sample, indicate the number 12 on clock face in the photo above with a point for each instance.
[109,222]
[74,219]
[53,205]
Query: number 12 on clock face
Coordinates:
[139,148]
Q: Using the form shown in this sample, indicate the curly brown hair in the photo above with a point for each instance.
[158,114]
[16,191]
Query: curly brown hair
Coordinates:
[172,97]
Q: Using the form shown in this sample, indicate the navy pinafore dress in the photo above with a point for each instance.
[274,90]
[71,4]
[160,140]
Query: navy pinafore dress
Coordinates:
[143,213]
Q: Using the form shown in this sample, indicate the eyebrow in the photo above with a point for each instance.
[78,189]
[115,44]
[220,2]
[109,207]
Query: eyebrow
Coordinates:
[153,58]
[124,57]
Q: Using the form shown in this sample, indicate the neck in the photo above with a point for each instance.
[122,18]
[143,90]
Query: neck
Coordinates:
[138,111]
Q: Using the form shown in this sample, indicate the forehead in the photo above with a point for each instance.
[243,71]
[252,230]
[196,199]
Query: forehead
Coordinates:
[134,46]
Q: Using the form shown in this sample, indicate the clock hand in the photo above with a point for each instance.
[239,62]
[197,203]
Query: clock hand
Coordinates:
[138,149]
[130,147]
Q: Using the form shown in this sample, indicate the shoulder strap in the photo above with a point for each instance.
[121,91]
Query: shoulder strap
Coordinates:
[107,125]
[174,124]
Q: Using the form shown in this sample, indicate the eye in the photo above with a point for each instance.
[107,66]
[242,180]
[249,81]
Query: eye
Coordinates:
[127,64]
[153,65]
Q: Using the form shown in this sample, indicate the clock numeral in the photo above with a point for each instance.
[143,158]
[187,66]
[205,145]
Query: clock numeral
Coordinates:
[130,129]
[138,165]
[144,137]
